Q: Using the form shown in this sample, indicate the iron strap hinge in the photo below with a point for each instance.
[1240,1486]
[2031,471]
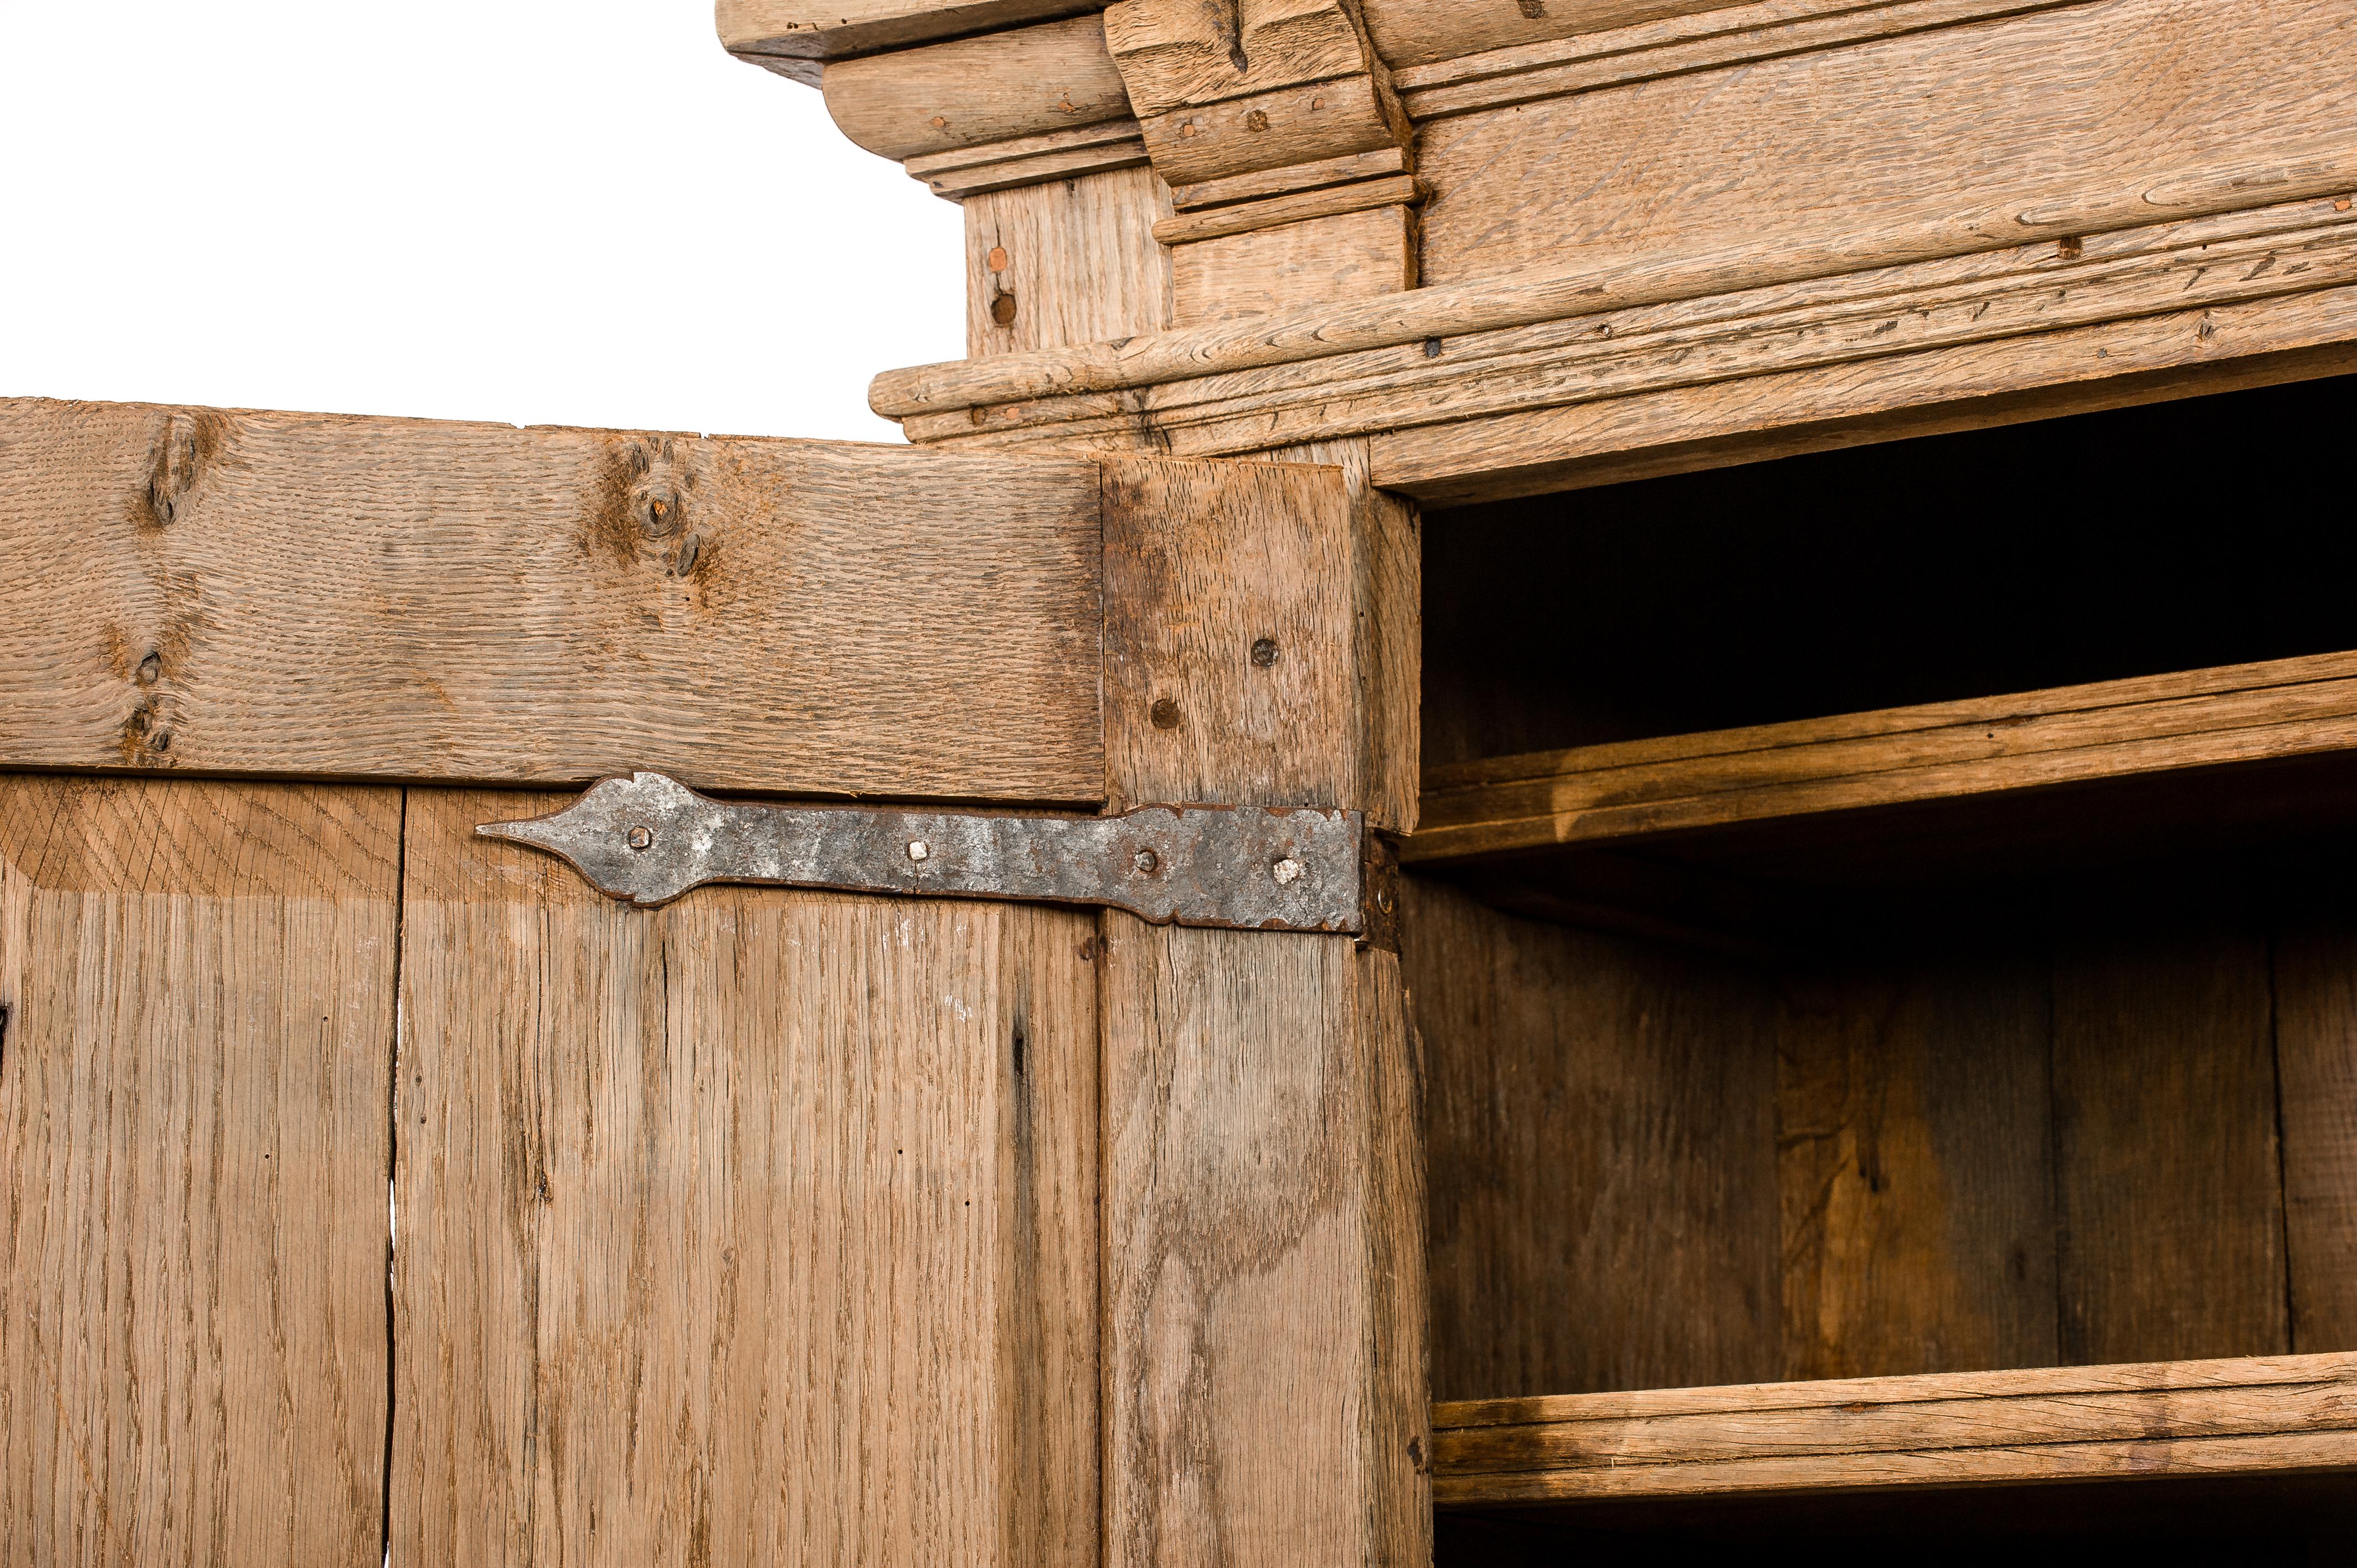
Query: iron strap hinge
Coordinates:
[648,839]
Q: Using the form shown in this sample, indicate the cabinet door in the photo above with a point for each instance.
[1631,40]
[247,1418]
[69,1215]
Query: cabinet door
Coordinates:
[771,1226]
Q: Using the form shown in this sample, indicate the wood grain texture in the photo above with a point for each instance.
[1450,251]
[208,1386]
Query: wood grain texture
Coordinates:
[756,1230]
[1297,207]
[2167,1176]
[2316,1057]
[1939,751]
[2028,116]
[1417,32]
[1202,562]
[1069,261]
[1936,393]
[1959,343]
[1915,1169]
[1387,631]
[1264,1391]
[2263,1414]
[1267,271]
[1026,81]
[785,35]
[1265,1401]
[1484,322]
[1051,157]
[1711,37]
[1233,88]
[310,594]
[1286,181]
[197,984]
[1600,1136]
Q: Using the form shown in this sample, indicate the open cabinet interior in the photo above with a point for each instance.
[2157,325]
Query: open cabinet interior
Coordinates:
[1885,914]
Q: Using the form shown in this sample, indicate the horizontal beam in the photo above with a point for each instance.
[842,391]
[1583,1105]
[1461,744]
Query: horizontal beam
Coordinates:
[790,35]
[306,595]
[1605,794]
[2271,1414]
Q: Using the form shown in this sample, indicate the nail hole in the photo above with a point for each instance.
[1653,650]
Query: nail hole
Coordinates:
[1166,714]
[1265,652]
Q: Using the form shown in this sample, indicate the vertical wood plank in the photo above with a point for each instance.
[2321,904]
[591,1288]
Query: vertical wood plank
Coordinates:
[1066,262]
[1916,1169]
[2168,1180]
[2316,1055]
[738,1233]
[195,1034]
[1265,1394]
[1601,1132]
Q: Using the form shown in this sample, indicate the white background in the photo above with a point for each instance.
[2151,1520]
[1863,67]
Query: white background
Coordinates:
[533,211]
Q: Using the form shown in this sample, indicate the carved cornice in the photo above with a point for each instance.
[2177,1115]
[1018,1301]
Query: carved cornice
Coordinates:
[1444,356]
[1261,112]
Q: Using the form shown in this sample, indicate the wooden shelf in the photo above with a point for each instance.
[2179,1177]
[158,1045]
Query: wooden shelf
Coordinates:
[2273,1415]
[1620,794]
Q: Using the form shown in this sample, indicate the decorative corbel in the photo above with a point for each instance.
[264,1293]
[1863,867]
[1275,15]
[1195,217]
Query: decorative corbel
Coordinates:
[1287,154]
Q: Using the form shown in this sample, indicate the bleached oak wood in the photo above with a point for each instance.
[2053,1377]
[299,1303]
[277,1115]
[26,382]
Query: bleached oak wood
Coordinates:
[1940,751]
[2180,280]
[756,1230]
[789,37]
[1070,261]
[2264,1415]
[298,593]
[1711,37]
[1417,32]
[1056,156]
[1329,201]
[1974,133]
[1264,1395]
[1356,254]
[196,1036]
[1234,88]
[1542,312]
[999,87]
[1286,181]
[1935,392]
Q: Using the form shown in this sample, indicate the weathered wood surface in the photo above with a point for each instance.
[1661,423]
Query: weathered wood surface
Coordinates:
[1915,1169]
[1934,392]
[2168,1172]
[2316,1062]
[1940,751]
[1264,1395]
[1070,262]
[1601,1133]
[1357,254]
[1049,159]
[2047,1133]
[760,1229]
[790,37]
[1556,369]
[2030,117]
[1419,32]
[309,595]
[1000,87]
[1694,39]
[2270,1414]
[195,1037]
[1299,207]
